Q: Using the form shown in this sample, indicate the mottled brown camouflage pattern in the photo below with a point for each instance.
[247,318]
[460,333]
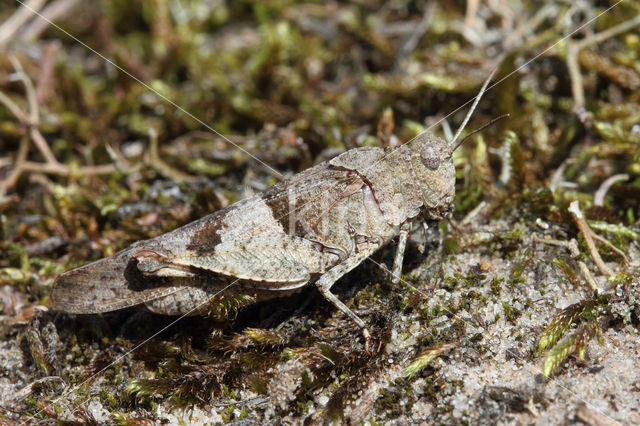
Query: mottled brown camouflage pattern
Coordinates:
[312,225]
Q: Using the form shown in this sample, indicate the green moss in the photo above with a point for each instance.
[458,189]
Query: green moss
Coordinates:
[450,246]
[425,358]
[587,314]
[510,313]
[496,285]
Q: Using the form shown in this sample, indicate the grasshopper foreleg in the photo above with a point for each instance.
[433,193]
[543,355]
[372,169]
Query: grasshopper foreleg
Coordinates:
[402,244]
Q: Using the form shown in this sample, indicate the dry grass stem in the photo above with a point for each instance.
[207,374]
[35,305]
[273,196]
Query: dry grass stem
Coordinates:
[154,160]
[578,217]
[19,18]
[574,48]
[601,193]
[15,173]
[14,109]
[53,11]
[413,40]
[31,120]
[611,246]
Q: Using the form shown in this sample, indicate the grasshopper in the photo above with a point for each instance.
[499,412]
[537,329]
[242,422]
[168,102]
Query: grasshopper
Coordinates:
[310,229]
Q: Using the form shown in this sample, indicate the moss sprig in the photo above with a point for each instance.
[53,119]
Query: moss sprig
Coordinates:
[227,307]
[587,315]
[574,343]
[427,357]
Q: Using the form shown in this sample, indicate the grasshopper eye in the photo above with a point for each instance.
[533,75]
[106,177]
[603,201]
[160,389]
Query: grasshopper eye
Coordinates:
[430,157]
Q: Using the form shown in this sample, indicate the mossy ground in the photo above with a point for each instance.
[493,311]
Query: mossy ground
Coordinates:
[492,324]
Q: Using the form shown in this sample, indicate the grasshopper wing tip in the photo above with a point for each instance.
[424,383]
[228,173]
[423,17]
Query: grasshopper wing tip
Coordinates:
[71,293]
[100,286]
[97,287]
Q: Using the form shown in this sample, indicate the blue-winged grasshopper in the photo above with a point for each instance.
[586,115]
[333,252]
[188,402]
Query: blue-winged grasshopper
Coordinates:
[310,229]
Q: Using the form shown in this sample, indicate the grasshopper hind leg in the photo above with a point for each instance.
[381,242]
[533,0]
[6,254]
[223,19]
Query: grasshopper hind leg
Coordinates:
[189,301]
[326,281]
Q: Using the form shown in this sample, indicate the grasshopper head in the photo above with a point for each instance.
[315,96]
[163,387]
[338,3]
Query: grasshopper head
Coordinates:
[432,164]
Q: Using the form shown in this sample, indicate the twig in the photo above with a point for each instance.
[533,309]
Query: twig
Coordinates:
[574,48]
[471,13]
[609,33]
[20,17]
[14,109]
[611,246]
[40,142]
[6,161]
[15,173]
[527,27]
[473,213]
[598,199]
[32,121]
[47,67]
[574,209]
[159,164]
[411,43]
[23,166]
[120,163]
[51,12]
[577,87]
[63,170]
[34,114]
[557,176]
[572,246]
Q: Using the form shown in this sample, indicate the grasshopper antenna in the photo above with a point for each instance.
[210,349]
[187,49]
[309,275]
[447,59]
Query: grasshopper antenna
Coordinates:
[481,128]
[473,107]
